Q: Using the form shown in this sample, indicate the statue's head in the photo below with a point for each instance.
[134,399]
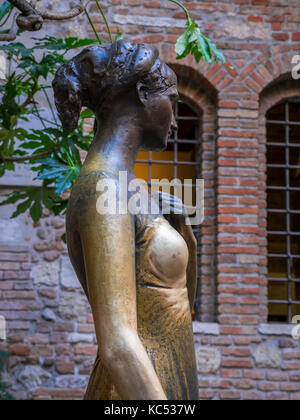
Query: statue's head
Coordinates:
[103,78]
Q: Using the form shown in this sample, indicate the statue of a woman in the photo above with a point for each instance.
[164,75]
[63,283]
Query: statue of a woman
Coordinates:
[138,271]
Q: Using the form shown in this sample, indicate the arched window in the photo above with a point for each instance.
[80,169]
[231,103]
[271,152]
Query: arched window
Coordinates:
[283,210]
[181,159]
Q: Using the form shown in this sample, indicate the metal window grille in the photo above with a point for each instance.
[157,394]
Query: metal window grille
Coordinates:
[185,139]
[283,210]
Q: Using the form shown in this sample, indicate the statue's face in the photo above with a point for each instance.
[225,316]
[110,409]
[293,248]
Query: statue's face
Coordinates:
[158,119]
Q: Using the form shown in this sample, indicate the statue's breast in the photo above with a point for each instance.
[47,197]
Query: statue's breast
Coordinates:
[164,254]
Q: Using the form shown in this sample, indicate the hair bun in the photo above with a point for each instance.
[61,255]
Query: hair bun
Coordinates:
[97,71]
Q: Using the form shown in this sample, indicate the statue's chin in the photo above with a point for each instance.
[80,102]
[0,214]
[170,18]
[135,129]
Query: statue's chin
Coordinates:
[158,146]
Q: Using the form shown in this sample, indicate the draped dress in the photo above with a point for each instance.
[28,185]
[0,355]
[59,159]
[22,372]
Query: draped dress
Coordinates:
[164,319]
[163,313]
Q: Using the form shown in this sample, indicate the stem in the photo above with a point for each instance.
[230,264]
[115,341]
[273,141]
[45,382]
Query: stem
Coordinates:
[50,122]
[105,20]
[92,25]
[49,104]
[39,116]
[183,8]
[16,159]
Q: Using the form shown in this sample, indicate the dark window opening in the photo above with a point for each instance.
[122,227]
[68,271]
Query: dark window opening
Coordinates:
[283,207]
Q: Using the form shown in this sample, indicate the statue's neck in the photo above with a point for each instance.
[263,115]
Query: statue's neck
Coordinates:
[114,148]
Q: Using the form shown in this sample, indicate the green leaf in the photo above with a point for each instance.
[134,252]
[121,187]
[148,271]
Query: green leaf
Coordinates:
[219,56]
[194,42]
[34,198]
[4,9]
[12,198]
[119,35]
[36,211]
[17,49]
[52,43]
[9,166]
[52,173]
[22,208]
[83,43]
[182,43]
[87,113]
[64,174]
[60,207]
[193,34]
[64,238]
[203,47]
[30,145]
[62,184]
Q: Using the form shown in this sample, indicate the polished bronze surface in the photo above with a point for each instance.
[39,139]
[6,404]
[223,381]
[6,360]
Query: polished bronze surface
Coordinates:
[138,271]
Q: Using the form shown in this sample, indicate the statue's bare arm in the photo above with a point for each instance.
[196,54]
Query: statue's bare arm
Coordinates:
[109,253]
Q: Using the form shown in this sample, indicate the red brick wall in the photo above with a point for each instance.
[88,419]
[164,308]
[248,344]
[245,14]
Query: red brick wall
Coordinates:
[239,357]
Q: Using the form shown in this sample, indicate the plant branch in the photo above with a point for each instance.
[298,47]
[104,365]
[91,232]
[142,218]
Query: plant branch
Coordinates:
[11,36]
[28,10]
[34,90]
[23,6]
[77,10]
[31,19]
[17,159]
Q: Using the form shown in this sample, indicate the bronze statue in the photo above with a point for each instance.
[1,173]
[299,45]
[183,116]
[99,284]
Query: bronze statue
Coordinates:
[138,271]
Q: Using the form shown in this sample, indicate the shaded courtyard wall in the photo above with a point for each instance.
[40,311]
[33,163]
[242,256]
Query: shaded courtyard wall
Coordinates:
[239,355]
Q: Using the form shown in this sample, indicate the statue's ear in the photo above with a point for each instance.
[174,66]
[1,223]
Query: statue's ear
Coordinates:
[142,92]
[67,97]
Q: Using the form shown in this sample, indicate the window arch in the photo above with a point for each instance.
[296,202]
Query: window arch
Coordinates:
[283,209]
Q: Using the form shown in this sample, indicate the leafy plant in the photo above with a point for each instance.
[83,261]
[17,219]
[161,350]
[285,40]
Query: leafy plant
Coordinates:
[194,42]
[51,152]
